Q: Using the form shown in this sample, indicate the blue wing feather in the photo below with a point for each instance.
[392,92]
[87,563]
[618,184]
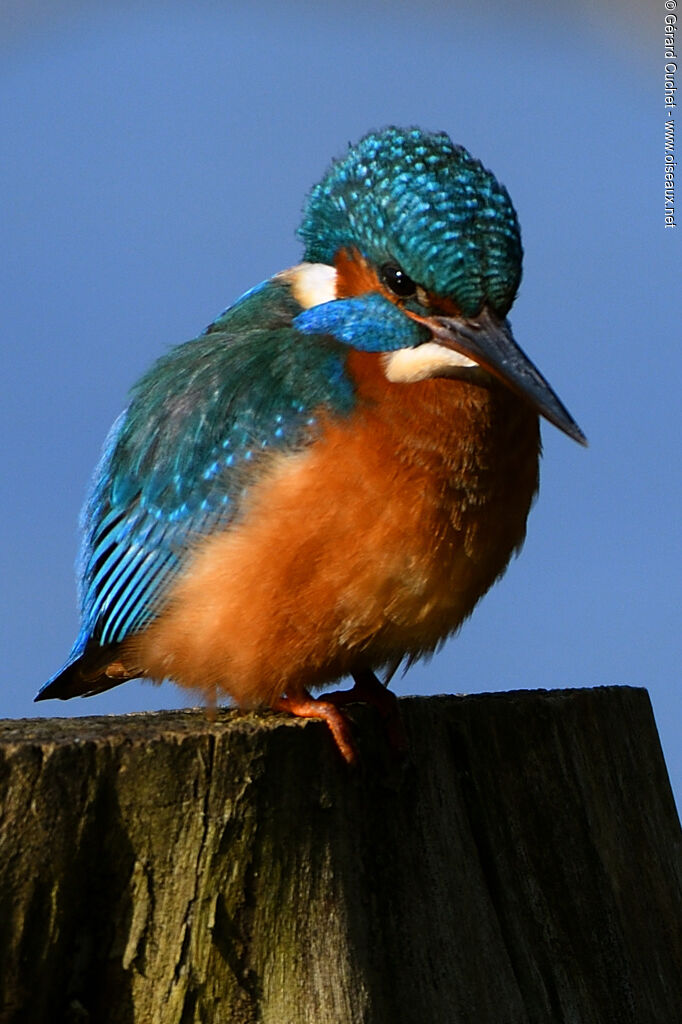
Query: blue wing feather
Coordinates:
[178,461]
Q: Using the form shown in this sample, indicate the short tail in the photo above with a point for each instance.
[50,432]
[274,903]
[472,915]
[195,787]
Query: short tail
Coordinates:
[90,669]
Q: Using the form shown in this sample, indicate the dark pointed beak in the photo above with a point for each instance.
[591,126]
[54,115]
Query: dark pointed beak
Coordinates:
[489,342]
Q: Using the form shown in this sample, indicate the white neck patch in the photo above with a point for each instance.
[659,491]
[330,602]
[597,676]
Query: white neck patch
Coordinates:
[408,365]
[311,283]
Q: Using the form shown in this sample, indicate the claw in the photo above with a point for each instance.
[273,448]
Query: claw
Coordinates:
[304,706]
[369,690]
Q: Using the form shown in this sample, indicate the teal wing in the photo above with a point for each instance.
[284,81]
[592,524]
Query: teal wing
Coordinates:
[179,460]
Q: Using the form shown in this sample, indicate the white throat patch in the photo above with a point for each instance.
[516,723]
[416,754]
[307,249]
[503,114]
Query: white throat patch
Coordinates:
[408,365]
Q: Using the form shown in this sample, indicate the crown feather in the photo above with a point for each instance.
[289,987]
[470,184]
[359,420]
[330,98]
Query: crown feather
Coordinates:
[417,199]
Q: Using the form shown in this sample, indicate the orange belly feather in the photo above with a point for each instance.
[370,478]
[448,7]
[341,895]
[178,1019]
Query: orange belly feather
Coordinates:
[374,543]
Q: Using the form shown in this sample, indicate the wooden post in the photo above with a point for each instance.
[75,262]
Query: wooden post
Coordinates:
[522,867]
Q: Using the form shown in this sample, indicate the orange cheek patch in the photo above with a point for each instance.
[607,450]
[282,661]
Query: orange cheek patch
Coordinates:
[354,275]
[442,306]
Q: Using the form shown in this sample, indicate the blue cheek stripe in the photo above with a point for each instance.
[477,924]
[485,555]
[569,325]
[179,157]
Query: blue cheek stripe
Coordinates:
[369,322]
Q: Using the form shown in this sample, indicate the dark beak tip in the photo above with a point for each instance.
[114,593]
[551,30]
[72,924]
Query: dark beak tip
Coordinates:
[489,341]
[576,434]
[563,421]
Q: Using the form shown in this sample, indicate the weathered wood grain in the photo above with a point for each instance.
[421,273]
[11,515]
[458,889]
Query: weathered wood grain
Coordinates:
[522,867]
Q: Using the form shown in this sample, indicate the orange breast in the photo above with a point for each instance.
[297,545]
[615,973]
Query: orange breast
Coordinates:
[373,544]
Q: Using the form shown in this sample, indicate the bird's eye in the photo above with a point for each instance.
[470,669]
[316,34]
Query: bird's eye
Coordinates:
[397,280]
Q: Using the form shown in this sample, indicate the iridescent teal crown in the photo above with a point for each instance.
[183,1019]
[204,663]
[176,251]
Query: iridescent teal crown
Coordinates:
[416,199]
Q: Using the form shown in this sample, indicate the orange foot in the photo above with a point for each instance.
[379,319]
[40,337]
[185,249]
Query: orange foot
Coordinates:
[305,706]
[369,690]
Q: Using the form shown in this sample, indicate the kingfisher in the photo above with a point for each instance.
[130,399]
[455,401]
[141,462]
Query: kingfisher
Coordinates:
[327,480]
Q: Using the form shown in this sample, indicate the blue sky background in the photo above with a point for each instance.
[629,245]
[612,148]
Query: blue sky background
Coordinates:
[155,159]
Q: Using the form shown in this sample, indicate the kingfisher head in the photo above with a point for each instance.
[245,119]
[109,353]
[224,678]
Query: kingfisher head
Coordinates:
[418,233]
